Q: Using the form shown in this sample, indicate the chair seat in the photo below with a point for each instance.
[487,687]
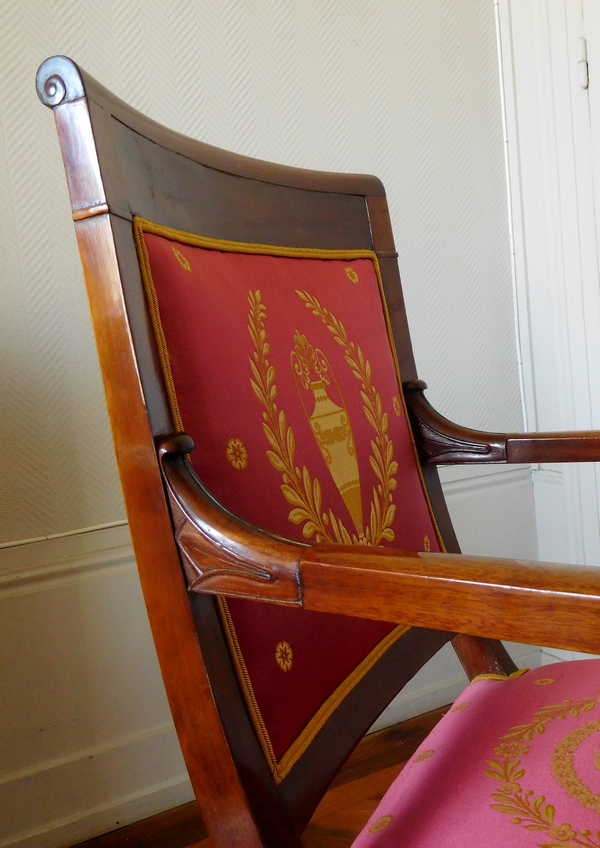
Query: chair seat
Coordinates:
[514,762]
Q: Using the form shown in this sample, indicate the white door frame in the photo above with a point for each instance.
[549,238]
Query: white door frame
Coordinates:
[551,185]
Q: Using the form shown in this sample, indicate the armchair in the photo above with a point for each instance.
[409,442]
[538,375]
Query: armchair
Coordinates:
[259,374]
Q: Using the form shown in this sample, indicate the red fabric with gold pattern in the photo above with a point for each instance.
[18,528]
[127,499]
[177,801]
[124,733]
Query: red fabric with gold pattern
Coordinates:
[284,377]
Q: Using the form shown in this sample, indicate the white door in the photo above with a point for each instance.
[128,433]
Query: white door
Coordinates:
[553,135]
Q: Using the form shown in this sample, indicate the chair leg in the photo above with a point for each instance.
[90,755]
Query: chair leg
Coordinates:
[482,656]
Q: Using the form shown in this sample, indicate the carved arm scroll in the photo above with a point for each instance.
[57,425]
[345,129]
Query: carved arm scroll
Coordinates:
[220,552]
[442,442]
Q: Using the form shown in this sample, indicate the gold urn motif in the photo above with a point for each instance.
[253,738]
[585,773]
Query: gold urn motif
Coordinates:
[330,425]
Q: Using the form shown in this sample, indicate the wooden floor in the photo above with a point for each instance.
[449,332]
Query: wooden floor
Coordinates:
[339,817]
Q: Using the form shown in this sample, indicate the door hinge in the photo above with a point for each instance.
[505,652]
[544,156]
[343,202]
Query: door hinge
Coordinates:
[584,71]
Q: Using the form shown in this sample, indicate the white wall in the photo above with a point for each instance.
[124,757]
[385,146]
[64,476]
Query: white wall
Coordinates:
[86,737]
[407,90]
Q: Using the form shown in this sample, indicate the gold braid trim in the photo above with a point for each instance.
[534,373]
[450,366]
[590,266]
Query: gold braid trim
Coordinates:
[246,685]
[153,308]
[518,673]
[244,247]
[318,721]
[280,769]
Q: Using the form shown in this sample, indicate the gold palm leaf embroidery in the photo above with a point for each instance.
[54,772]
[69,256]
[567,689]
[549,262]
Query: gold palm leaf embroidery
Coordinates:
[298,487]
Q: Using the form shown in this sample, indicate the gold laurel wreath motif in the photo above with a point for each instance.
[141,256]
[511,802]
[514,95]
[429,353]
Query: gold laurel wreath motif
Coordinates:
[533,812]
[563,767]
[298,487]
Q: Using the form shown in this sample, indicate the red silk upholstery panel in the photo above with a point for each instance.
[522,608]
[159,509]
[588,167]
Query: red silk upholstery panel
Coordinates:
[283,374]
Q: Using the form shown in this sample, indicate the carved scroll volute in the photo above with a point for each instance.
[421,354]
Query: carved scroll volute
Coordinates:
[59,80]
[60,86]
[440,442]
[222,555]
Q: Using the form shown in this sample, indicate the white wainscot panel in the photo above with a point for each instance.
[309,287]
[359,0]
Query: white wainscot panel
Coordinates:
[492,509]
[550,507]
[558,509]
[86,738]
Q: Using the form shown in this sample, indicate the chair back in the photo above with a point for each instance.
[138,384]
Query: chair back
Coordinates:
[257,309]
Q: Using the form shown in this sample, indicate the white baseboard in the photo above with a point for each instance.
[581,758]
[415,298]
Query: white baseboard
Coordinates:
[554,655]
[103,818]
[92,792]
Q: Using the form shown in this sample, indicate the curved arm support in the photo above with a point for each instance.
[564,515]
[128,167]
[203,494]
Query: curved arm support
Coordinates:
[220,553]
[442,442]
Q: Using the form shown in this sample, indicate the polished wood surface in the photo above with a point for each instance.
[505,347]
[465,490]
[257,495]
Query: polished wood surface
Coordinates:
[254,565]
[120,164]
[531,602]
[478,654]
[581,446]
[225,806]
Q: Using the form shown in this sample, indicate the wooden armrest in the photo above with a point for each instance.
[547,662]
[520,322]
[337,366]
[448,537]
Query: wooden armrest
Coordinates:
[536,603]
[567,446]
[442,442]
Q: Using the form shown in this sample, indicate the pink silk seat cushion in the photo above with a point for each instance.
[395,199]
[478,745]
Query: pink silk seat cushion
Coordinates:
[513,763]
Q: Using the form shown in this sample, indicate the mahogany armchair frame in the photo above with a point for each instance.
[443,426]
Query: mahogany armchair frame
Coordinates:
[172,516]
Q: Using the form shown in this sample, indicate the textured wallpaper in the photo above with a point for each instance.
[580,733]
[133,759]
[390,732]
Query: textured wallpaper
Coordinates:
[406,89]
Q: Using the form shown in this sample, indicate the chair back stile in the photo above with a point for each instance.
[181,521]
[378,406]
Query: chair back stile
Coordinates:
[225,808]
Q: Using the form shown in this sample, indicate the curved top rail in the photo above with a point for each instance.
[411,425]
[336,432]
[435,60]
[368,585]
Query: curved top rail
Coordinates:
[59,80]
